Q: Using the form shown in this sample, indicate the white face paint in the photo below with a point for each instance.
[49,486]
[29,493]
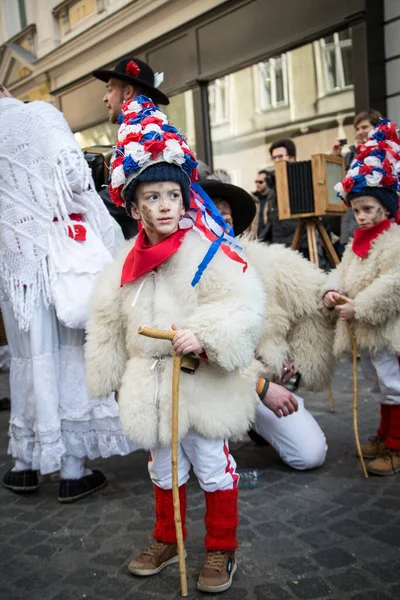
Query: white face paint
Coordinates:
[368,211]
[159,206]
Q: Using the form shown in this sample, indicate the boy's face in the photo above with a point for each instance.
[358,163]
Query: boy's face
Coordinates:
[362,130]
[159,206]
[225,209]
[368,211]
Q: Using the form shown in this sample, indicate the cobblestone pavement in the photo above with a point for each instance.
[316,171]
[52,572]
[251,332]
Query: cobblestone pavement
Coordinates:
[323,534]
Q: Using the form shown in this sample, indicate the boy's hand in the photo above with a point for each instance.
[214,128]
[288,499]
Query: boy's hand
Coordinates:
[331,299]
[345,307]
[186,342]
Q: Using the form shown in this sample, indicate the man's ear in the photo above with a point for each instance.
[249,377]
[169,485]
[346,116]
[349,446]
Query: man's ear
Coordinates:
[129,92]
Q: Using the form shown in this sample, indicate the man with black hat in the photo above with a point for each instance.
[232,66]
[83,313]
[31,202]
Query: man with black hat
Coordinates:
[292,328]
[129,78]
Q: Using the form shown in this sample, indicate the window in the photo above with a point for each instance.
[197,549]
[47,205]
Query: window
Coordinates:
[218,101]
[337,60]
[273,83]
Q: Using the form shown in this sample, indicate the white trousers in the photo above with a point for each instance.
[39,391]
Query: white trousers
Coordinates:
[297,438]
[212,464]
[382,371]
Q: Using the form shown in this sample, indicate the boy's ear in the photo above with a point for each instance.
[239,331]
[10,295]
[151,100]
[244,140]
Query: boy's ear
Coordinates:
[134,212]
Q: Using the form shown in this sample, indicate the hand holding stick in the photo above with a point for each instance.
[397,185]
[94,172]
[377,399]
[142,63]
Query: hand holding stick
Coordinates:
[162,334]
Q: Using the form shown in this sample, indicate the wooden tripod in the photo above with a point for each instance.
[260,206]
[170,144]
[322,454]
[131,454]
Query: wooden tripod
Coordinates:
[314,224]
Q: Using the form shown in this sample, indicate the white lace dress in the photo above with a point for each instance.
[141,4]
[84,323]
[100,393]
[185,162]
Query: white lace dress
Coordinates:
[42,176]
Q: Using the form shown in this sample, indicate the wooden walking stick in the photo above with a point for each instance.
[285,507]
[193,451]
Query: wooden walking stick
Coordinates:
[162,334]
[355,393]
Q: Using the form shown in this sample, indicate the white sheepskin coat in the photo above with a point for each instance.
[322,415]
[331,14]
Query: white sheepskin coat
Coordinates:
[374,284]
[225,310]
[295,326]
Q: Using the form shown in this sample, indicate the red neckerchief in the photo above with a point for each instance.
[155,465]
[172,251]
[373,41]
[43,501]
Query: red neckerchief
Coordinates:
[143,258]
[363,238]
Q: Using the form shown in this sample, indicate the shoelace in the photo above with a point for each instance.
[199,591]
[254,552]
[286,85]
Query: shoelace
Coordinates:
[154,549]
[216,561]
[375,440]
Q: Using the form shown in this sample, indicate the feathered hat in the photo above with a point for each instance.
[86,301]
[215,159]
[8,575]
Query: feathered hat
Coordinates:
[375,170]
[150,148]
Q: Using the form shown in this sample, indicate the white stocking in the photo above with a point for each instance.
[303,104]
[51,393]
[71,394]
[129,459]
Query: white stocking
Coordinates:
[73,468]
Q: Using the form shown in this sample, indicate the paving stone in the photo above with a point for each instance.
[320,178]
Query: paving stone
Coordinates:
[372,595]
[308,589]
[334,558]
[387,571]
[42,551]
[271,591]
[350,581]
[298,565]
[349,528]
[390,535]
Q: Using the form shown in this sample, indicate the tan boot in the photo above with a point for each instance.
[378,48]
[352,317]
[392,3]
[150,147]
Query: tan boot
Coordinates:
[375,447]
[386,464]
[217,572]
[154,559]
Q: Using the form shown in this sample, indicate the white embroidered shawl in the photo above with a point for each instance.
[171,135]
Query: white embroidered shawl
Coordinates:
[43,176]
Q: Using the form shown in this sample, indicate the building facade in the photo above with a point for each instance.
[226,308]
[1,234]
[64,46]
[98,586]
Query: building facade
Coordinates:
[240,73]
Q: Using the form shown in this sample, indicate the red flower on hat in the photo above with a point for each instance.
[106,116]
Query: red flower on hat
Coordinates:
[151,120]
[115,195]
[132,69]
[348,183]
[366,169]
[388,180]
[135,136]
[155,147]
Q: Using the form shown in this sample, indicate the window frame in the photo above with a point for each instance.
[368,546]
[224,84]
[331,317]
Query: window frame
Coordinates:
[337,45]
[271,64]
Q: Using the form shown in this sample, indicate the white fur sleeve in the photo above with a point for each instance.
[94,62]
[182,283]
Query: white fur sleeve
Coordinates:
[105,349]
[230,313]
[379,301]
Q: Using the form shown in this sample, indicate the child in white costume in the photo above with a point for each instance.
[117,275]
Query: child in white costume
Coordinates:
[364,290]
[169,276]
[55,236]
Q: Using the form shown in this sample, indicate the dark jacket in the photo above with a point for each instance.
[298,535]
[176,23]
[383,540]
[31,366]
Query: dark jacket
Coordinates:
[128,225]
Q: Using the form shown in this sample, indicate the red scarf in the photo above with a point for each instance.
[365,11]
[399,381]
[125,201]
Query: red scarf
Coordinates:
[363,238]
[144,258]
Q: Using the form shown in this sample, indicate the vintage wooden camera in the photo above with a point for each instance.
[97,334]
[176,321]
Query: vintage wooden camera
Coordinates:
[305,189]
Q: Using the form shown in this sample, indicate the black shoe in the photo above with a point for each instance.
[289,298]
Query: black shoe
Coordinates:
[256,438]
[72,490]
[21,482]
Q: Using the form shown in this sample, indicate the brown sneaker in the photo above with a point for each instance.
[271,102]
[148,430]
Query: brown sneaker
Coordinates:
[217,572]
[387,464]
[154,559]
[375,447]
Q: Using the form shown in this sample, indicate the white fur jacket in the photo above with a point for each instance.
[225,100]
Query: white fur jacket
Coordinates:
[295,327]
[225,310]
[374,284]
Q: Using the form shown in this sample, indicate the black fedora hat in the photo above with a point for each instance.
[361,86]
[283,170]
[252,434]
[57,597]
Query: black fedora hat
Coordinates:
[241,202]
[136,72]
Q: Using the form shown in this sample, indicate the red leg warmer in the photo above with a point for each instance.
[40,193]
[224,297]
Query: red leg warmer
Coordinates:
[383,430]
[393,437]
[221,520]
[164,529]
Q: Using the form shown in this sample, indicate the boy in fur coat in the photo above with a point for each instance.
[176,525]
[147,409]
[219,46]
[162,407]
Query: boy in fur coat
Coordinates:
[365,288]
[170,276]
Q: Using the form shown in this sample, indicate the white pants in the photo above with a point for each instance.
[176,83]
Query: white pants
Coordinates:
[297,438]
[382,371]
[214,467]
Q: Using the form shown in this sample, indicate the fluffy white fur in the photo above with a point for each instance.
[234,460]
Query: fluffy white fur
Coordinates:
[374,284]
[225,310]
[294,325]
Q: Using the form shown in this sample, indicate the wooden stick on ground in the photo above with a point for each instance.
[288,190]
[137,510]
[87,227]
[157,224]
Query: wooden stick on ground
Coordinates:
[355,393]
[355,399]
[169,335]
